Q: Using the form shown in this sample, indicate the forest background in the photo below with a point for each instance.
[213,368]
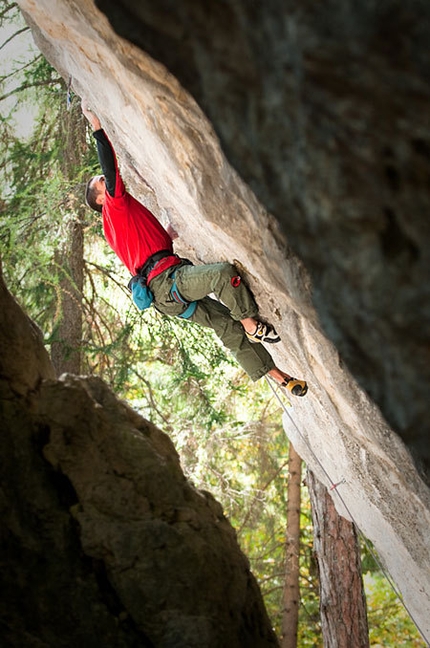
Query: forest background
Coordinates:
[227,430]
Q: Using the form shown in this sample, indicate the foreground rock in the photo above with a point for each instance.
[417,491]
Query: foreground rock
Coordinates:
[323,111]
[103,541]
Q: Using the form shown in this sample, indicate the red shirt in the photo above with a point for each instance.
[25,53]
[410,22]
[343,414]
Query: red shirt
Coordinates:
[132,230]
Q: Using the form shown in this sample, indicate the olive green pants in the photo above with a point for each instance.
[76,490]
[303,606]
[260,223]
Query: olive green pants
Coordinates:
[195,283]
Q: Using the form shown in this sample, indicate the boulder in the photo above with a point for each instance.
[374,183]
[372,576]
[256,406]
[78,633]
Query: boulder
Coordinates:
[103,541]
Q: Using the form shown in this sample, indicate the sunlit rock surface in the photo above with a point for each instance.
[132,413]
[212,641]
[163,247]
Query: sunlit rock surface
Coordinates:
[324,113]
[323,110]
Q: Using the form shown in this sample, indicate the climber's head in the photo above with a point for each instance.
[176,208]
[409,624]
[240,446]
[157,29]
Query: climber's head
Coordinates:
[95,192]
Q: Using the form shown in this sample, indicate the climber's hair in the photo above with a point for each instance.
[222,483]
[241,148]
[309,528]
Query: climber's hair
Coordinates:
[91,194]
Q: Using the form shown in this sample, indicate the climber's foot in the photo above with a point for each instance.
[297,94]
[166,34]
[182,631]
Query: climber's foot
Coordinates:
[295,386]
[263,333]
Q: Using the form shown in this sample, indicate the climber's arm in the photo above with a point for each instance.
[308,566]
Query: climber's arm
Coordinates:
[105,151]
[90,115]
[107,160]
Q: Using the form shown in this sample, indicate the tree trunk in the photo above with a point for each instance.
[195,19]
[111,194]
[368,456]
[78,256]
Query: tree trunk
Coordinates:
[342,598]
[290,616]
[66,348]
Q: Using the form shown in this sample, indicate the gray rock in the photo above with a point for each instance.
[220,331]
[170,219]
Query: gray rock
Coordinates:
[103,541]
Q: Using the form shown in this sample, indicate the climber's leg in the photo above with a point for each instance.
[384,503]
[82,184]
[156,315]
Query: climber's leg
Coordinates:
[223,280]
[253,358]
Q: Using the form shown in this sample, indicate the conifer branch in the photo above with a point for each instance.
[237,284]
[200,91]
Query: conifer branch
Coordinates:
[8,40]
[27,86]
[9,7]
[17,71]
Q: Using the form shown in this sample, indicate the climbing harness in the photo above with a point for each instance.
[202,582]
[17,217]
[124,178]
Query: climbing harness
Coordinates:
[177,297]
[334,487]
[69,93]
[143,296]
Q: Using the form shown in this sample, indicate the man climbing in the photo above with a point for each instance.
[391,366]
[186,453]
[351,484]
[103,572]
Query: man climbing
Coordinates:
[178,287]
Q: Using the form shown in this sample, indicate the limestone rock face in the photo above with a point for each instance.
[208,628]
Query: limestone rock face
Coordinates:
[103,541]
[322,112]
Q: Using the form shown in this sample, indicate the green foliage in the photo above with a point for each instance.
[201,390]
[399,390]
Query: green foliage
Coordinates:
[389,623]
[42,190]
[309,617]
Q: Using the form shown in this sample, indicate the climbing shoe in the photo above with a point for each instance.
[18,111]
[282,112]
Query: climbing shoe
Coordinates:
[263,333]
[295,387]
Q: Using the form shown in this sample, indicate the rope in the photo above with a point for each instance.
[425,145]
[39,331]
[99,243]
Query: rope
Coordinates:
[334,486]
[69,93]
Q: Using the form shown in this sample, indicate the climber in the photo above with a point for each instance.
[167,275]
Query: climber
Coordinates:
[176,286]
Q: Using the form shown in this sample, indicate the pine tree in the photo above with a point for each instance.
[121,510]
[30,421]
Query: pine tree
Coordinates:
[342,598]
[290,618]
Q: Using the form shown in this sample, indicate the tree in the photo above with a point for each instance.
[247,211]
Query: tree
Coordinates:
[44,204]
[291,597]
[66,347]
[342,598]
